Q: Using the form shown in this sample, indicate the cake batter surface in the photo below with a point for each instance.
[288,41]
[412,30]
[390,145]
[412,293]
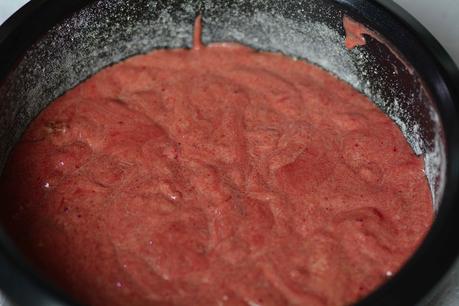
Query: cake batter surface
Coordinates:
[215,176]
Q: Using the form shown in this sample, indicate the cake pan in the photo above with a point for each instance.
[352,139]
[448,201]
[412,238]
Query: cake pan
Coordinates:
[49,46]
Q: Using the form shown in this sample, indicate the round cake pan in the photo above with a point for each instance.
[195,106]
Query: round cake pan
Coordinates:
[50,46]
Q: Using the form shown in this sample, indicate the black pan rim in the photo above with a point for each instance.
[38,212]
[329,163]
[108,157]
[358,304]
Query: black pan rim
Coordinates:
[434,257]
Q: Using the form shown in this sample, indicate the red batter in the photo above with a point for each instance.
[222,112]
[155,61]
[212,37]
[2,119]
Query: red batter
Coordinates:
[215,176]
[355,36]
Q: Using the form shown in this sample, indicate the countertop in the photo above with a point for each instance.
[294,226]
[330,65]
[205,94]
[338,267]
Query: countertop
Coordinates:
[439,17]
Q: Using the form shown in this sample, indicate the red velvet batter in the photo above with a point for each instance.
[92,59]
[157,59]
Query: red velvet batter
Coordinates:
[215,176]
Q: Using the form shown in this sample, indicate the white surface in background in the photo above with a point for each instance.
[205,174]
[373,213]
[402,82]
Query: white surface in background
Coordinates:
[440,17]
[8,7]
